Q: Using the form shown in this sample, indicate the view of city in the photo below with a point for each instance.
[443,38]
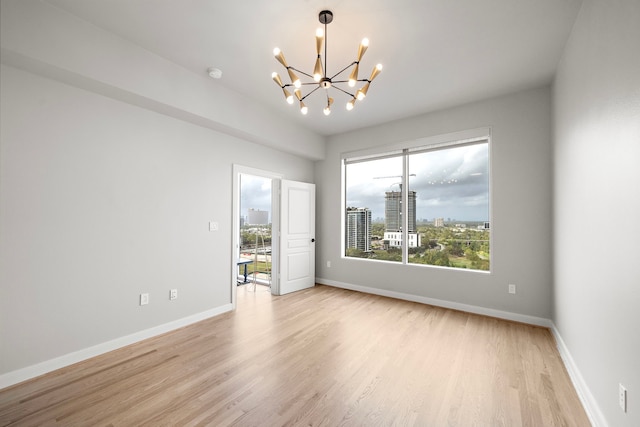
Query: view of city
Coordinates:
[447,208]
[457,245]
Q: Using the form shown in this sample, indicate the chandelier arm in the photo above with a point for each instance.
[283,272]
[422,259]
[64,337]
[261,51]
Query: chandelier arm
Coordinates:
[301,72]
[342,90]
[303,84]
[343,70]
[346,81]
[304,97]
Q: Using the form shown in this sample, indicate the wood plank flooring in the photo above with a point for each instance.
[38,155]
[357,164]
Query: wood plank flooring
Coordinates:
[320,357]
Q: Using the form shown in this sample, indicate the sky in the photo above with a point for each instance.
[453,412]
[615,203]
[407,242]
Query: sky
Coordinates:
[449,183]
[255,193]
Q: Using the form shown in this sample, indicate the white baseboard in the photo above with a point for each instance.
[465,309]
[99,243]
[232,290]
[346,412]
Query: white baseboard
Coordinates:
[588,401]
[33,371]
[522,318]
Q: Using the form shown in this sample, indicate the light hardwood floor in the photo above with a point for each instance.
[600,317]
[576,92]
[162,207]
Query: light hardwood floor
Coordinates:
[323,356]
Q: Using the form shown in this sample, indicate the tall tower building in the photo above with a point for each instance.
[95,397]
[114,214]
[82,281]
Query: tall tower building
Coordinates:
[359,229]
[393,220]
[393,211]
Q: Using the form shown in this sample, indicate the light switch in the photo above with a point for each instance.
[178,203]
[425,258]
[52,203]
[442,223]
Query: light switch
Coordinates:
[213,226]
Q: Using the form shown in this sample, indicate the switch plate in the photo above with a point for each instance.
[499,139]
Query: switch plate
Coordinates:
[328,264]
[512,288]
[213,226]
[622,397]
[173,294]
[144,299]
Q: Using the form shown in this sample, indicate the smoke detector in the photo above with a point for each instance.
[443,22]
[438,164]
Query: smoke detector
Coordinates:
[214,73]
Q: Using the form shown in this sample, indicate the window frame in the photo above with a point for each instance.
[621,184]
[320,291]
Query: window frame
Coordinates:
[405,150]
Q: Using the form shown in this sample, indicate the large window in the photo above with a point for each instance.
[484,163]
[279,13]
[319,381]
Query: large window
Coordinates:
[423,204]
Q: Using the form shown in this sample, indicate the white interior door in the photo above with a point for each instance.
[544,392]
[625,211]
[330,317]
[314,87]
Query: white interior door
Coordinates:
[297,236]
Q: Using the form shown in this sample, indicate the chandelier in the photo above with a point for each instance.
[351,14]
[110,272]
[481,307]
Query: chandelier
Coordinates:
[321,80]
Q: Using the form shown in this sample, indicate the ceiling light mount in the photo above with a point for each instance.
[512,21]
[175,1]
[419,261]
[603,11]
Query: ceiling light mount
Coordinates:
[325,17]
[320,77]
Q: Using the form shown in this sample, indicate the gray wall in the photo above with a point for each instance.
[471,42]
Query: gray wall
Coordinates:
[597,203]
[100,201]
[521,208]
[113,161]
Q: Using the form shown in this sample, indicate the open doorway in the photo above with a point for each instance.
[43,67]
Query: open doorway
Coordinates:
[290,257]
[255,231]
[255,255]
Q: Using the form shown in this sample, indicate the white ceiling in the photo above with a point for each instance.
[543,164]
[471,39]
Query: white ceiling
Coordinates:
[436,53]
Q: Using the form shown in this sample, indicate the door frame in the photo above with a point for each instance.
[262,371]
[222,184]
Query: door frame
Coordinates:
[275,177]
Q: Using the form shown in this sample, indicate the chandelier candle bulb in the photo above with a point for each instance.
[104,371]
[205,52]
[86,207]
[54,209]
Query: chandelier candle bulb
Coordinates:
[280,57]
[319,40]
[294,79]
[353,78]
[288,96]
[276,78]
[364,44]
[362,93]
[375,72]
[317,70]
[303,108]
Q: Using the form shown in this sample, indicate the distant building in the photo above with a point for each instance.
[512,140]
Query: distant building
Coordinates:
[393,211]
[393,220]
[438,222]
[359,229]
[394,239]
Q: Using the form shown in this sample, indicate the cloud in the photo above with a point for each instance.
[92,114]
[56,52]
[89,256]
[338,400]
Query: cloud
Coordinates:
[449,183]
[255,193]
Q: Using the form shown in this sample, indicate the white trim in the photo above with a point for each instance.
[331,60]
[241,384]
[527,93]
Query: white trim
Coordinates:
[446,139]
[507,315]
[589,403]
[47,366]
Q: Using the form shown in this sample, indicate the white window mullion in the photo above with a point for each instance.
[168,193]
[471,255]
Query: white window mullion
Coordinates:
[405,207]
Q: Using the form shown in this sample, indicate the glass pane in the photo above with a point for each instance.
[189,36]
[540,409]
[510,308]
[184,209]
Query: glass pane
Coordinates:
[373,206]
[450,191]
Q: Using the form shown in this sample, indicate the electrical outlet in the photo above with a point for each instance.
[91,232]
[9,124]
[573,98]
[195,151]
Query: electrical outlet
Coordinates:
[622,397]
[512,288]
[144,299]
[173,294]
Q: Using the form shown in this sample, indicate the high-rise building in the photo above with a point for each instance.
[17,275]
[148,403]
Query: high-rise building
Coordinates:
[393,220]
[393,211]
[359,229]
